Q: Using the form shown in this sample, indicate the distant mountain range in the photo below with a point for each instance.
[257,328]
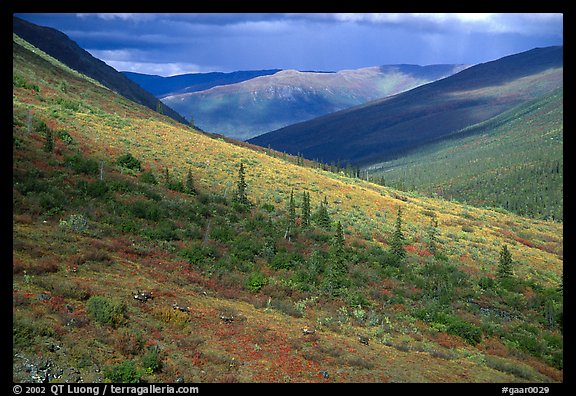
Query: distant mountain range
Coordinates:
[192,82]
[244,104]
[61,47]
[387,128]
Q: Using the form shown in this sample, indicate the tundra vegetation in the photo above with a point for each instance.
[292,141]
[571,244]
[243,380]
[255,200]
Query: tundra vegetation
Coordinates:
[391,286]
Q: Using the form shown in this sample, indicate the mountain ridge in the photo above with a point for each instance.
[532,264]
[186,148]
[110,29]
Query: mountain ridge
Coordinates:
[245,109]
[191,82]
[386,127]
[60,46]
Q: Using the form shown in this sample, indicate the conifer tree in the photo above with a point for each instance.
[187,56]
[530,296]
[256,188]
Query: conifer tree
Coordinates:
[291,209]
[338,241]
[398,239]
[505,263]
[291,216]
[166,177]
[47,131]
[190,189]
[322,217]
[241,197]
[433,235]
[336,280]
[305,209]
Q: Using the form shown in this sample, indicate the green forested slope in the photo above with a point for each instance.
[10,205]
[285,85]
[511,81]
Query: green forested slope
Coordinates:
[513,161]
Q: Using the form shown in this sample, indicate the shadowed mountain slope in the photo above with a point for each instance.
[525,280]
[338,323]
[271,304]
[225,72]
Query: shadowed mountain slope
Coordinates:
[389,127]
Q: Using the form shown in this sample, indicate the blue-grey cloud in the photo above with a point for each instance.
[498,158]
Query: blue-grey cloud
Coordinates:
[169,44]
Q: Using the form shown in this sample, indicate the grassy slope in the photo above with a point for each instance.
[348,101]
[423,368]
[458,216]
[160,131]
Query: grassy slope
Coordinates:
[263,344]
[514,158]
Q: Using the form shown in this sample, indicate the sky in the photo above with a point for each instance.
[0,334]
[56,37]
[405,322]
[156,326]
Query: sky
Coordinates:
[172,44]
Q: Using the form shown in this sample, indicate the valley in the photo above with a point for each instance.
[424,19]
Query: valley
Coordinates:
[111,199]
[252,107]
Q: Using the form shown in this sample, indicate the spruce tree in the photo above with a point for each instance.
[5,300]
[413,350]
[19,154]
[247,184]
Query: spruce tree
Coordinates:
[336,280]
[505,263]
[190,189]
[166,177]
[398,239]
[241,196]
[338,241]
[49,142]
[305,209]
[291,217]
[292,209]
[433,235]
[322,217]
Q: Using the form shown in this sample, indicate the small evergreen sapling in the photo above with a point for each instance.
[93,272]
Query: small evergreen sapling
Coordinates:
[241,197]
[505,264]
[397,241]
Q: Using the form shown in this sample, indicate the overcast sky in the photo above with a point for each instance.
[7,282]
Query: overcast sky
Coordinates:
[169,44]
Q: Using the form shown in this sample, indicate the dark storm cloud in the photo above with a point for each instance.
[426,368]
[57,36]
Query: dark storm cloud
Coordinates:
[169,44]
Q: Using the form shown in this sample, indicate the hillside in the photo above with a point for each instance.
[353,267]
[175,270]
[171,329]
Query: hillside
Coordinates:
[112,200]
[513,161]
[61,47]
[165,86]
[388,128]
[266,103]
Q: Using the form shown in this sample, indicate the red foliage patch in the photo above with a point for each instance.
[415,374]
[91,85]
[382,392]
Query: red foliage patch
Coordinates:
[448,341]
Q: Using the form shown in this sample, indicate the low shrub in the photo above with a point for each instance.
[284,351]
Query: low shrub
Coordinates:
[196,255]
[106,311]
[255,281]
[173,316]
[286,260]
[151,360]
[148,177]
[75,222]
[125,372]
[80,164]
[129,161]
[148,210]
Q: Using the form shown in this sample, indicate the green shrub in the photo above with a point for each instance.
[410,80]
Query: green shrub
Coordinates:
[96,189]
[255,281]
[486,283]
[75,222]
[80,164]
[24,332]
[52,201]
[125,372]
[148,177]
[151,360]
[165,230]
[106,311]
[222,233]
[128,161]
[286,260]
[148,210]
[197,254]
[439,318]
[468,331]
[65,137]
[20,82]
[245,248]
